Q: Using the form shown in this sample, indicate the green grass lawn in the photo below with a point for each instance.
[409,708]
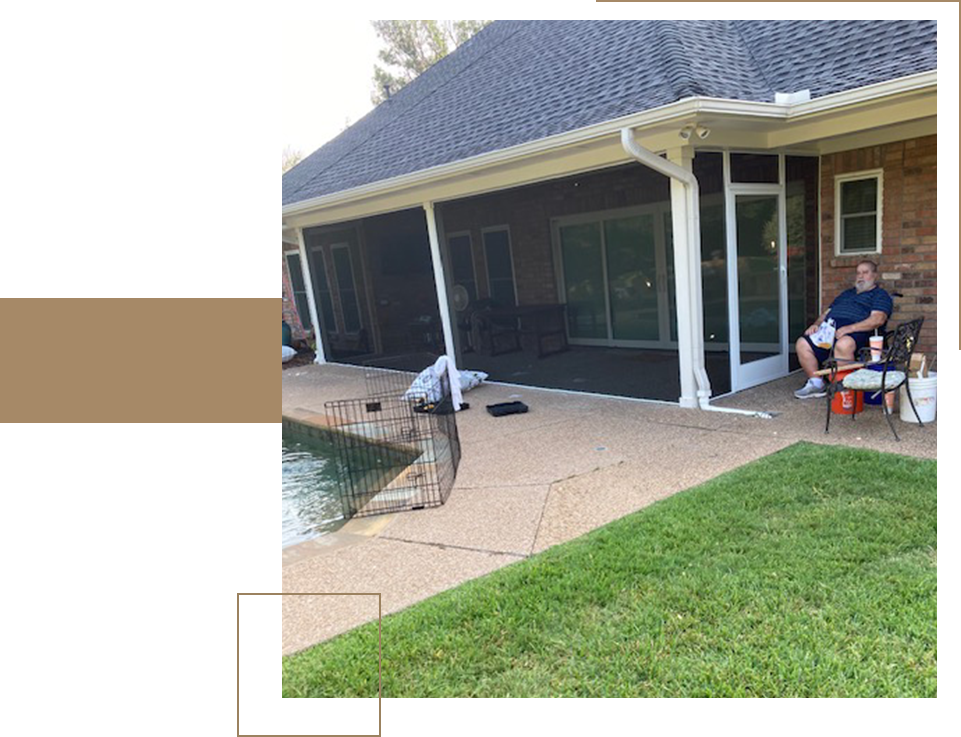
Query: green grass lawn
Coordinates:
[811,572]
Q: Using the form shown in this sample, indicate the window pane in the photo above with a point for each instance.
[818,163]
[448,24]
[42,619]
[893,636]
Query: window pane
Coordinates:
[296,276]
[351,311]
[859,196]
[462,266]
[322,291]
[632,277]
[754,168]
[502,292]
[584,280]
[500,273]
[303,309]
[498,254]
[859,233]
[348,294]
[345,275]
[758,275]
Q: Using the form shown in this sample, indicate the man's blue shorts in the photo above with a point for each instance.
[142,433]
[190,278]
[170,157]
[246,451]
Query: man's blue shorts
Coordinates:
[860,341]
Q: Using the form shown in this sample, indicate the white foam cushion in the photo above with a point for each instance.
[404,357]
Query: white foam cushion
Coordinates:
[867,380]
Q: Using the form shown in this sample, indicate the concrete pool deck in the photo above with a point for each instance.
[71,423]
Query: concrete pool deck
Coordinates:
[528,482]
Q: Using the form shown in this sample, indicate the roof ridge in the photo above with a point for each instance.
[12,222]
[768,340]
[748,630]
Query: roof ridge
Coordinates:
[750,52]
[677,70]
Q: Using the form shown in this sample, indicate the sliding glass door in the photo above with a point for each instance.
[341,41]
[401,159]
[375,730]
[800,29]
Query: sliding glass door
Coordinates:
[584,279]
[614,277]
[632,278]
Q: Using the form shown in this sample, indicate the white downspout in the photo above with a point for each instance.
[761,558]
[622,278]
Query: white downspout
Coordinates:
[689,311]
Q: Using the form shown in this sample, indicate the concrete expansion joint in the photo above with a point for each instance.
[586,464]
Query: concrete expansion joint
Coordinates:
[445,546]
[584,473]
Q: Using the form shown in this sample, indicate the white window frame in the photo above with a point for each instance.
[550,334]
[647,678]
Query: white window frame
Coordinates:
[839,179]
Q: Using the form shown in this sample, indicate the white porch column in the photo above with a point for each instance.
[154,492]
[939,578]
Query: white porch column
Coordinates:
[309,284]
[440,281]
[687,271]
[685,211]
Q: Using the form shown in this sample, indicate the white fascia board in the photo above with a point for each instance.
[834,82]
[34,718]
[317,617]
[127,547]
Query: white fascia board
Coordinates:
[891,88]
[678,109]
[682,109]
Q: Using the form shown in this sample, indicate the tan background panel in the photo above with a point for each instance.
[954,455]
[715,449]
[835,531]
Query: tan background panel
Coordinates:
[136,476]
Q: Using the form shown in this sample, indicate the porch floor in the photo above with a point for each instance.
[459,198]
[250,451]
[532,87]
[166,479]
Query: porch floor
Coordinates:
[527,482]
[624,372]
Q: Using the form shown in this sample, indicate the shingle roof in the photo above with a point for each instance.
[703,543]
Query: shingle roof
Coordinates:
[519,81]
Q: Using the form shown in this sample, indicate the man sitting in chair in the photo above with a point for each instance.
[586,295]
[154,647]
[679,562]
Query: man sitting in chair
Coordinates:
[856,312]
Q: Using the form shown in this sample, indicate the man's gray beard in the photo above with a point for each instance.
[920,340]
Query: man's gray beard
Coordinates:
[862,286]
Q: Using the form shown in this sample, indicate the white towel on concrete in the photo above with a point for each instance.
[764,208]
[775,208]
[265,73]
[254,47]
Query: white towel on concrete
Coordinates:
[427,385]
[443,364]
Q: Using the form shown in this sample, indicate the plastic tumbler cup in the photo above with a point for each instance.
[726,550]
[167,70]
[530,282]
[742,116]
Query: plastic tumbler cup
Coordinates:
[877,346]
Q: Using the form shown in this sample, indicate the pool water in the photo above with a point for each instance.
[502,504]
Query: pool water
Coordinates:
[311,503]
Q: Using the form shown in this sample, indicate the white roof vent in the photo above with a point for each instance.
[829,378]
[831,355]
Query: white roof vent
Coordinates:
[792,98]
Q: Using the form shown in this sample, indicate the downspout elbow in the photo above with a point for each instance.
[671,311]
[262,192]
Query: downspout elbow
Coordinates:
[659,164]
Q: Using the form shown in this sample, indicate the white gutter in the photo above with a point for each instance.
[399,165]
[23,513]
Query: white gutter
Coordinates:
[665,114]
[691,348]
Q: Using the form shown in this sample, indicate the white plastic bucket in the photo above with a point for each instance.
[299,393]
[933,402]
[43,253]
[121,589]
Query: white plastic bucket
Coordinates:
[924,392]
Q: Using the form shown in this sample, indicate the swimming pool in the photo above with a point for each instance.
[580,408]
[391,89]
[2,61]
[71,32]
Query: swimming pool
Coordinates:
[311,503]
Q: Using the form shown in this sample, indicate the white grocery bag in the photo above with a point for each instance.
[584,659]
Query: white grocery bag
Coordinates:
[823,337]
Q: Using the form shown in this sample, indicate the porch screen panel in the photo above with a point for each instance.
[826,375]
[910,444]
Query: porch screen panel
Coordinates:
[669,268]
[714,269]
[801,174]
[709,170]
[632,277]
[584,282]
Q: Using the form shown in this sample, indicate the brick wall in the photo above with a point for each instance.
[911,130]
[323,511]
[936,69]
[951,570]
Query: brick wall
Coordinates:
[908,233]
[528,212]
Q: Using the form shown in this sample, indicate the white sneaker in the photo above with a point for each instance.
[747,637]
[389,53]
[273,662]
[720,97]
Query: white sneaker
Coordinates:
[810,389]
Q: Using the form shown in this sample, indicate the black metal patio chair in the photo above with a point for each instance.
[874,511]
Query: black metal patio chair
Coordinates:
[894,363]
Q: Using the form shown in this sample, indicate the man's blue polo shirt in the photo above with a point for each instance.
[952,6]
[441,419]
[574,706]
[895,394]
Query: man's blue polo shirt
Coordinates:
[851,307]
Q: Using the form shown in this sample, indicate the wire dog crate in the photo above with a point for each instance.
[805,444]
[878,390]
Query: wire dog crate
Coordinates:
[399,452]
